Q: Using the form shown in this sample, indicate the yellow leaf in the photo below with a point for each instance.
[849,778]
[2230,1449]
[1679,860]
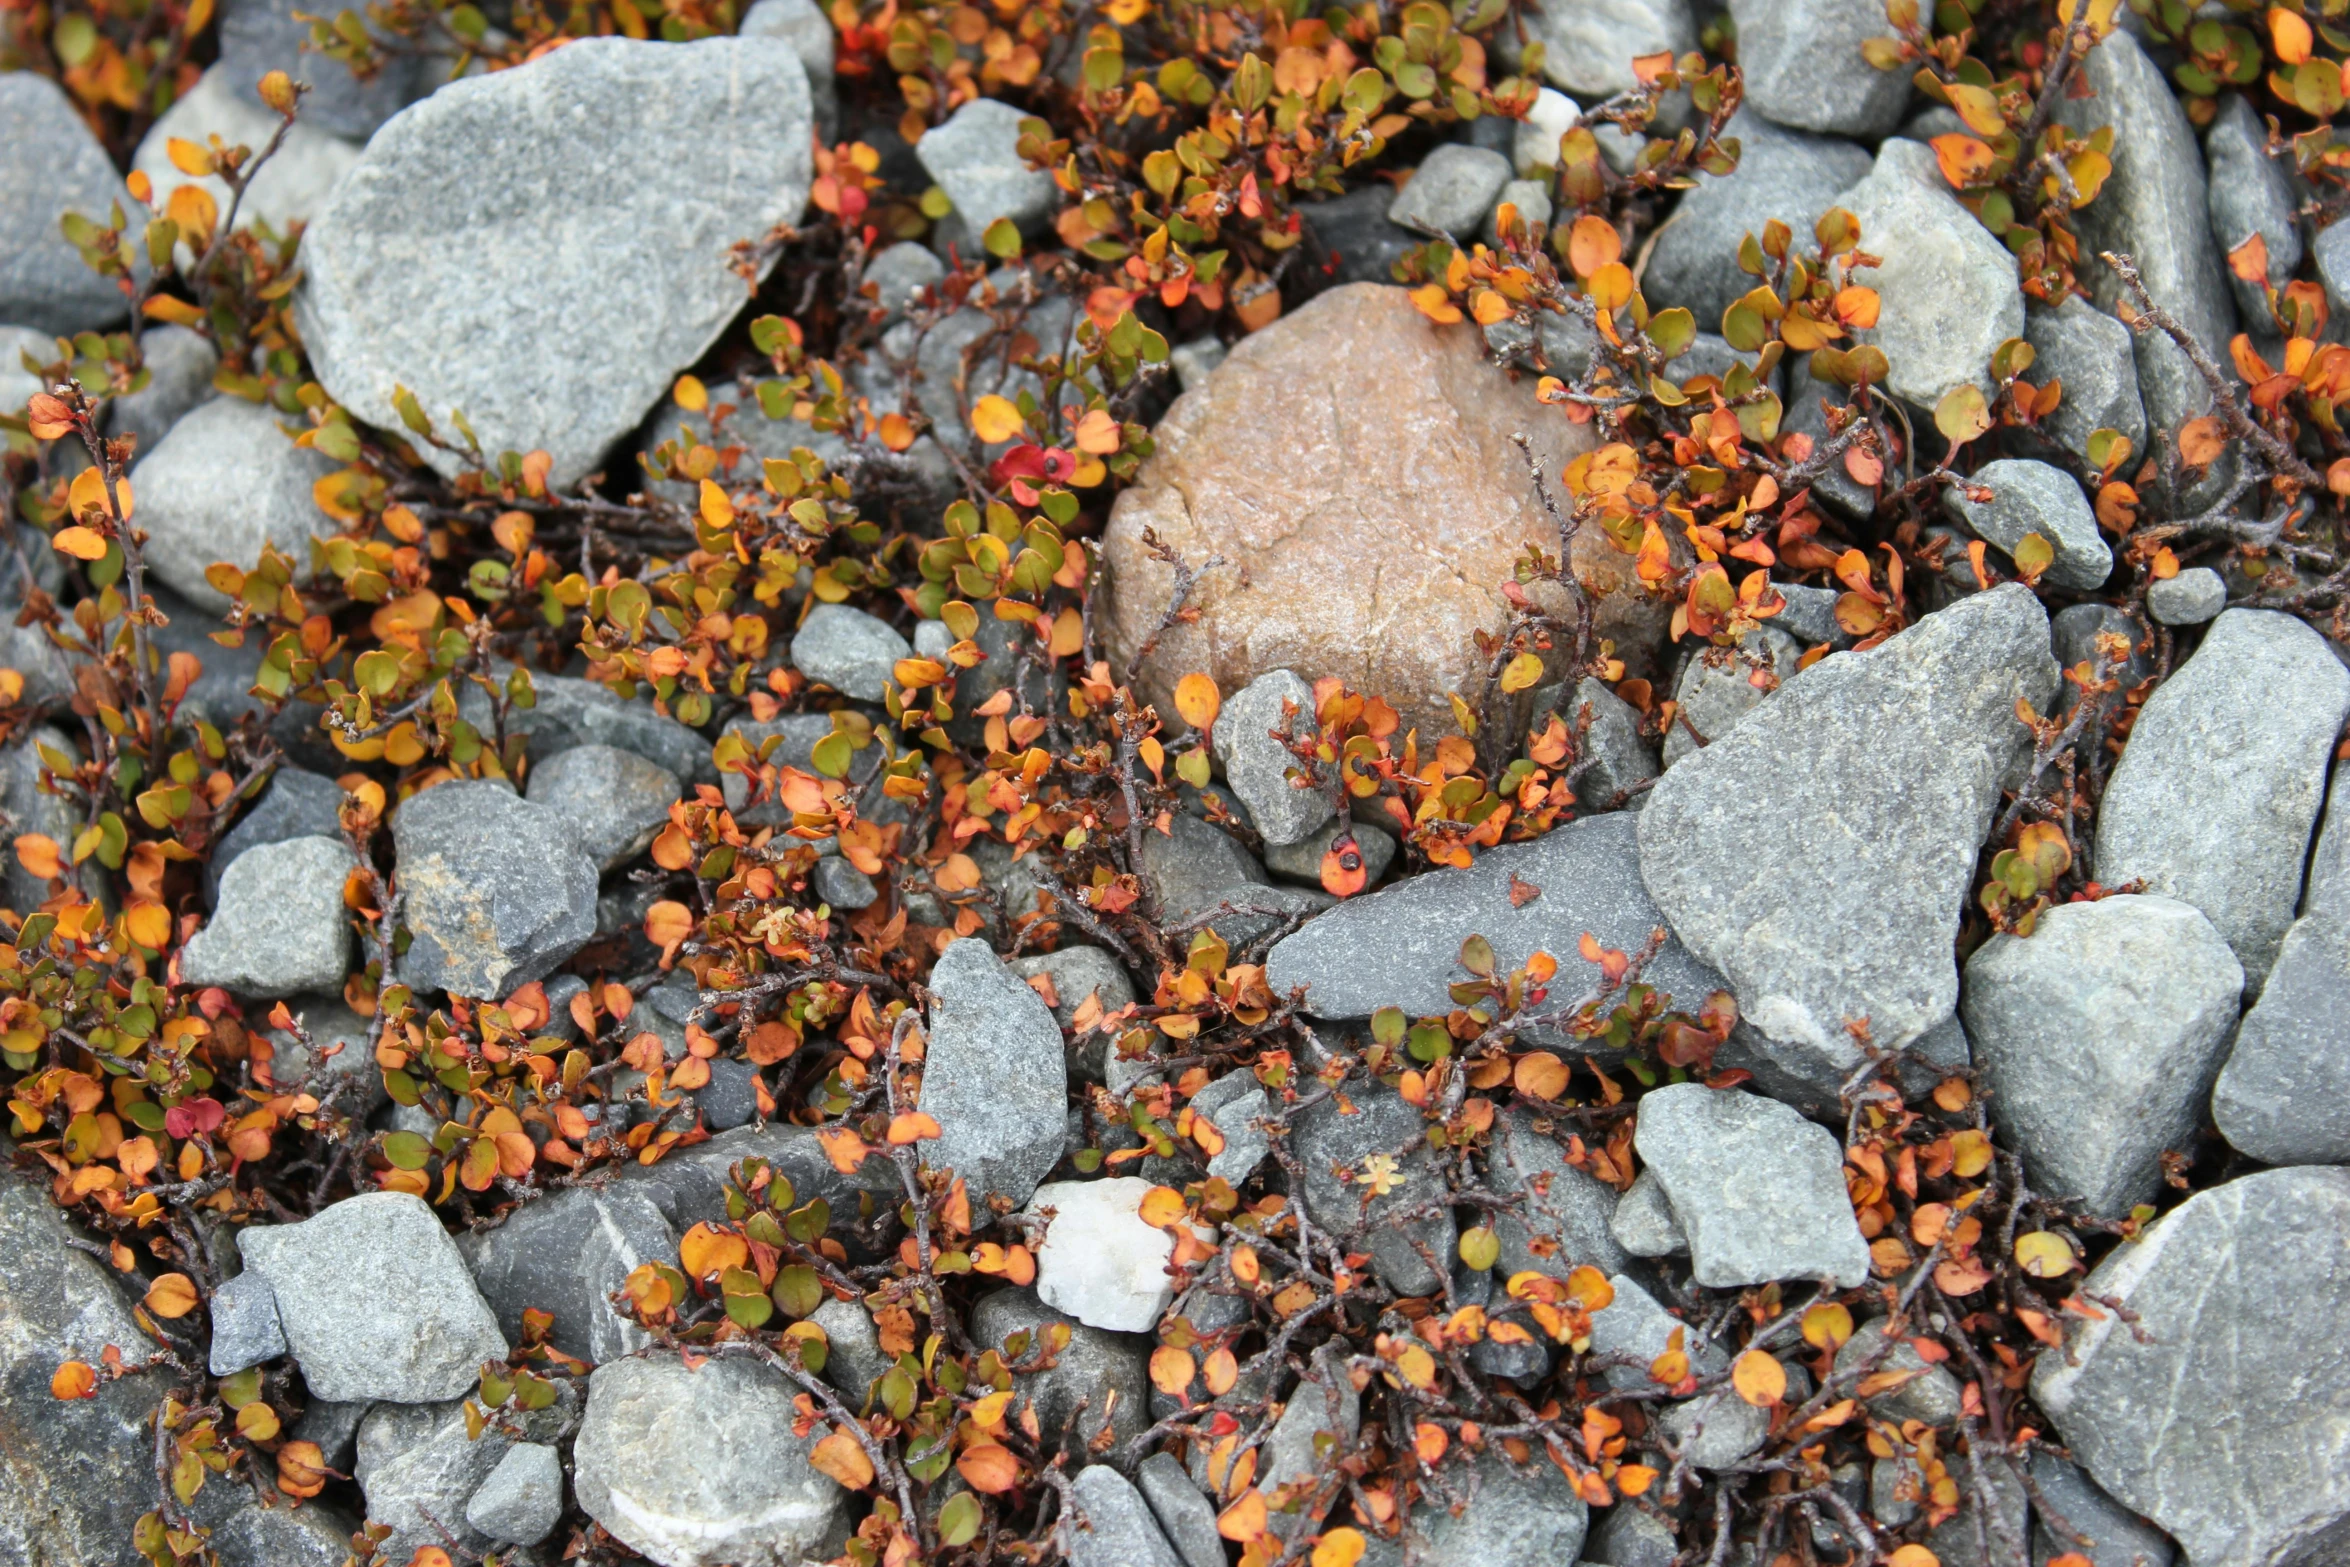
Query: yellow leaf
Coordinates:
[81,543]
[995,419]
[1433,302]
[148,924]
[189,158]
[1198,700]
[1339,1548]
[717,510]
[1913,1556]
[1759,1379]
[842,1457]
[2043,1255]
[1978,107]
[1522,673]
[1489,307]
[691,394]
[1161,1206]
[1826,1326]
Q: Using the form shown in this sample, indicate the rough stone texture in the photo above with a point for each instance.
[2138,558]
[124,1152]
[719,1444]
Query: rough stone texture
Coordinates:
[2095,357]
[53,166]
[1257,765]
[1401,947]
[1757,1188]
[292,186]
[1804,68]
[2251,193]
[2116,1536]
[1076,973]
[17,384]
[180,363]
[2213,799]
[1808,401]
[280,927]
[616,799]
[589,198]
[1099,1262]
[2074,631]
[2284,1095]
[1518,1517]
[2032,497]
[1635,1329]
[498,890]
[1193,867]
[2191,598]
[1589,46]
[1301,862]
[1038,690]
[690,1184]
[1185,1515]
[1959,1540]
[1930,1396]
[225,482]
[1358,458]
[376,1301]
[994,1078]
[1118,1529]
[1234,1104]
[259,36]
[335,1428]
[1534,146]
[1819,854]
[1810,615]
[1715,1429]
[1716,689]
[698,1467]
[245,1330]
[568,712]
[1629,1537]
[2224,1425]
[1324,1404]
[2155,208]
[950,383]
[1643,1223]
[522,1499]
[975,157]
[1107,1372]
[29,810]
[565,1253]
[1948,287]
[900,273]
[1781,174]
[803,25]
[1333,1146]
[2331,251]
[853,1357]
[1451,191]
[418,1470]
[848,650]
[1619,756]
[295,804]
[1566,1208]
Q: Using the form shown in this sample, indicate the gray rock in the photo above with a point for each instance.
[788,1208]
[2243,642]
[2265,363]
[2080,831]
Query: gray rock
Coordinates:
[565,712]
[1710,354]
[2191,598]
[901,272]
[1643,1223]
[18,384]
[1401,947]
[2251,193]
[1715,1430]
[179,370]
[1517,1517]
[566,1253]
[728,1100]
[796,737]
[295,804]
[615,799]
[1334,1146]
[1896,1486]
[2115,1536]
[2213,800]
[2284,1095]
[1627,1536]
[2222,1424]
[1781,174]
[335,1428]
[1948,287]
[1589,48]
[259,36]
[1185,1516]
[1006,661]
[803,25]
[1900,750]
[1076,973]
[1810,615]
[748,432]
[2154,207]
[956,372]
[1960,1539]
[975,158]
[30,810]
[1301,862]
[1323,1414]
[994,1077]
[1193,868]
[2032,497]
[2095,357]
[1930,1396]
[1530,199]
[1564,1223]
[1257,765]
[1451,191]
[690,1184]
[1196,360]
[281,927]
[2331,251]
[498,890]
[245,1330]
[54,167]
[290,188]
[340,1051]
[1354,233]
[694,1467]
[848,650]
[1101,1382]
[522,1499]
[222,485]
[1234,1104]
[1619,758]
[853,1357]
[1535,144]
[1807,403]
[588,293]
[419,1467]
[1636,1330]
[1117,1527]
[1717,687]
[1758,1190]
[376,1301]
[1804,68]
[2074,631]
[246,1531]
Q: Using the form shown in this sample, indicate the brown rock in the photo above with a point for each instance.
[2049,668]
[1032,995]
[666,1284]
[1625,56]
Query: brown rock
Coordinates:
[1353,465]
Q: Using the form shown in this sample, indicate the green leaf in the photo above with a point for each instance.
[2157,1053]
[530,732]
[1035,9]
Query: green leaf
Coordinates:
[406,1150]
[959,1519]
[1002,239]
[1962,414]
[1480,1249]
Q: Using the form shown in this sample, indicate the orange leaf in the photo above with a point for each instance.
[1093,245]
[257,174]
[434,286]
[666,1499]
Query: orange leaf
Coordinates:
[1244,1520]
[842,1456]
[844,1148]
[38,854]
[1434,303]
[1540,1075]
[912,1127]
[1593,243]
[50,416]
[1197,700]
[1171,1370]
[705,1251]
[988,1467]
[1339,1548]
[667,924]
[897,433]
[2201,441]
[994,419]
[1964,160]
[2249,260]
[172,1296]
[148,924]
[2290,33]
[73,1380]
[301,1469]
[80,542]
[1161,1206]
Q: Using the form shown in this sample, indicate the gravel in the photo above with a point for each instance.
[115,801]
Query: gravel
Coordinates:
[1758,1189]
[180,364]
[1643,1223]
[1717,687]
[419,1467]
[803,25]
[280,927]
[993,1078]
[1589,47]
[1516,1517]
[259,36]
[2251,193]
[1234,1104]
[1185,1516]
[1193,868]
[1636,1327]
[225,483]
[1451,191]
[1567,1210]
[1118,1528]
[1106,1372]
[1077,972]
[1322,1409]
[567,1252]
[1930,1396]
[2030,497]
[567,712]
[1534,146]
[245,1329]
[2116,1536]
[900,273]
[53,166]
[1335,1148]
[2095,357]
[294,804]
[1100,1262]
[2191,598]
[1257,765]
[1804,68]
[975,157]
[848,650]
[2283,1096]
[498,890]
[522,1500]
[616,800]
[1301,862]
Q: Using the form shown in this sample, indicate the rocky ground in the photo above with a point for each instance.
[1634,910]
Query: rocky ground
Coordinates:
[968,784]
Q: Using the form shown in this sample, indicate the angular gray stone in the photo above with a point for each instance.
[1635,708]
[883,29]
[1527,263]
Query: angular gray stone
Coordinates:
[2331,251]
[616,799]
[565,712]
[1075,973]
[18,384]
[1257,765]
[1185,1516]
[1564,1223]
[1234,1104]
[1196,360]
[259,36]
[245,1330]
[1330,1141]
[2223,1424]
[2095,357]
[225,482]
[180,364]
[340,1051]
[1810,615]
[1961,1538]
[993,1077]
[1948,287]
[2284,1095]
[1636,1330]
[2251,193]
[498,890]
[1323,1414]
[567,1252]
[1451,191]
[1301,862]
[376,1301]
[30,810]
[290,188]
[1804,68]
[1353,233]
[1105,1373]
[2154,208]
[335,1428]
[1631,1537]
[1644,1224]
[1781,174]
[1930,1396]
[1194,868]
[418,1470]
[694,1467]
[1807,403]
[853,1357]
[2032,497]
[1117,1527]
[2214,797]
[1014,661]
[1518,1516]
[1856,799]
[281,927]
[1716,689]
[54,166]
[953,373]
[843,886]
[1401,947]
[1589,47]
[803,25]
[2191,598]
[587,292]
[848,650]
[1714,1430]
[728,1100]
[1619,757]
[975,158]
[1758,1190]
[902,271]
[2114,1536]
[295,804]
[522,1500]
[690,1184]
